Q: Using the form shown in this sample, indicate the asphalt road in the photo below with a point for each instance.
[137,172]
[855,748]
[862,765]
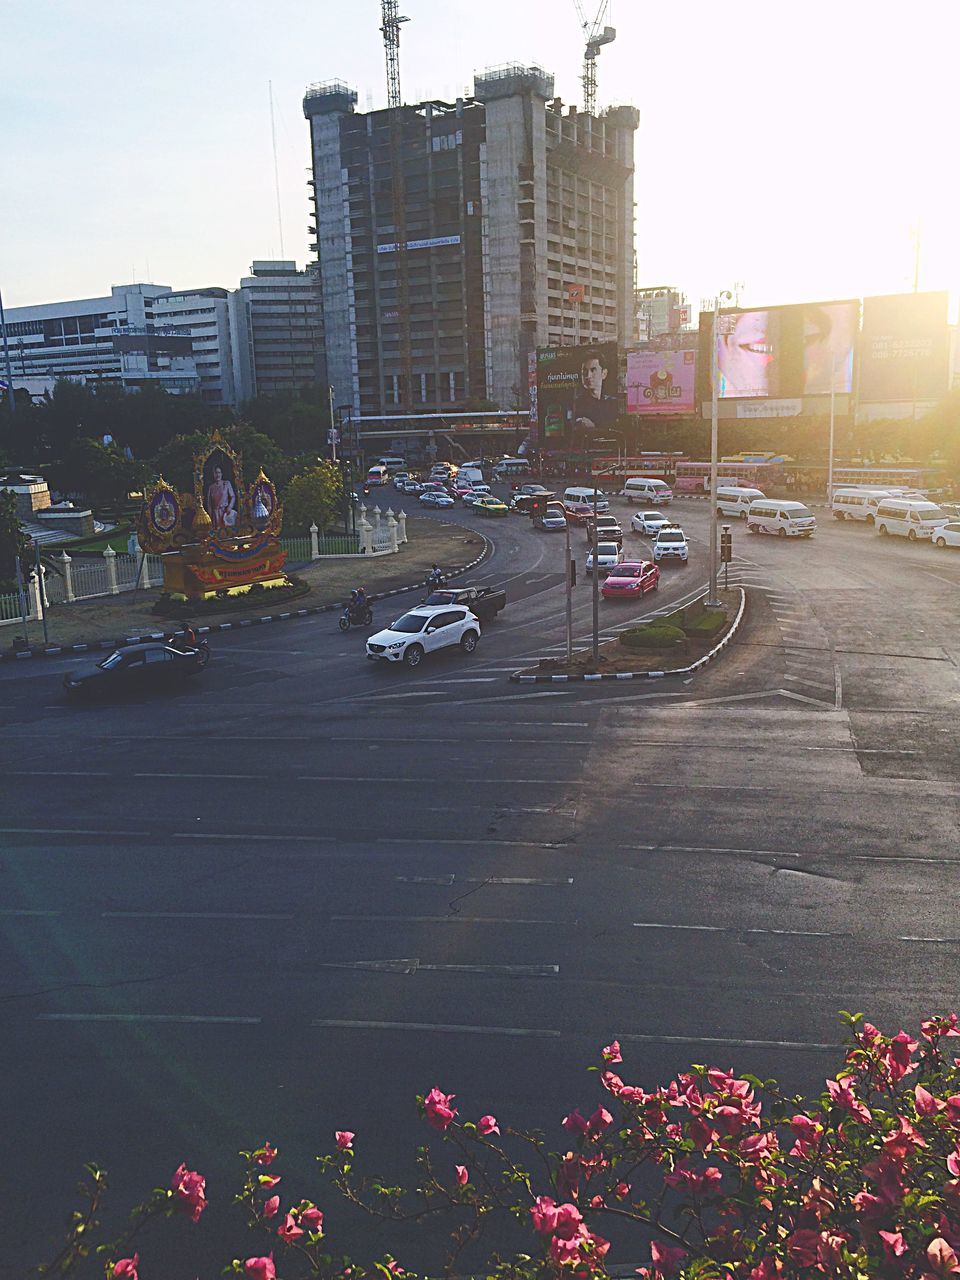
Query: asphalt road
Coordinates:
[287,898]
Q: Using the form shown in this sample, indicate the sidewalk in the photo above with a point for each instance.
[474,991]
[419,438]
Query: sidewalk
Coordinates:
[110,620]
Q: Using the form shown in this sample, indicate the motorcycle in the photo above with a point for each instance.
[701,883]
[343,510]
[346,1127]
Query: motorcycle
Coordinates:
[201,646]
[351,617]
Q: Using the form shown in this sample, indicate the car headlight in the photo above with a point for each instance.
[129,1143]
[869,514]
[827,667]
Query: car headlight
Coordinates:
[398,645]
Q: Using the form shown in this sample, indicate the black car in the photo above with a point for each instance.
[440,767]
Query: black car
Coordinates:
[136,667]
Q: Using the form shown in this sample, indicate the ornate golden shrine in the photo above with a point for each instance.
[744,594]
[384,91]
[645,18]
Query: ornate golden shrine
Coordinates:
[221,537]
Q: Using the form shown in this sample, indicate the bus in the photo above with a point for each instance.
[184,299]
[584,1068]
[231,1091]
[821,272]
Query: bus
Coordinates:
[610,470]
[694,477]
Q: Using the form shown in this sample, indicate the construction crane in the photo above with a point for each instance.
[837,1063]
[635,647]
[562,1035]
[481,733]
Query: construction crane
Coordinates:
[597,35]
[390,30]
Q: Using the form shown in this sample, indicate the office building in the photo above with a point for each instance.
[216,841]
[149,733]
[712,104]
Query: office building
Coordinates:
[518,221]
[204,315]
[661,309]
[277,330]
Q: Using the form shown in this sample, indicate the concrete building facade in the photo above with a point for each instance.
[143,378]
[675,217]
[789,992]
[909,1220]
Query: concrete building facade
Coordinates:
[276,330]
[519,232]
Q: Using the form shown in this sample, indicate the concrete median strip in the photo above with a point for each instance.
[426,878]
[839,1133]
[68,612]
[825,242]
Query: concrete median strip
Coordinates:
[523,677]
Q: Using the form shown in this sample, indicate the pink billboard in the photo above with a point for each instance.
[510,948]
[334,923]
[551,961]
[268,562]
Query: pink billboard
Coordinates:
[661,381]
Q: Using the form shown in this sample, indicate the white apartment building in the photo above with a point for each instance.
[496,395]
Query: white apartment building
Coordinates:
[277,330]
[205,315]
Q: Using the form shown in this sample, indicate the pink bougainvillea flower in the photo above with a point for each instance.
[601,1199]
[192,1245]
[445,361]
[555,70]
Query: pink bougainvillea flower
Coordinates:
[803,1248]
[266,1154]
[934,1027]
[393,1266]
[842,1096]
[575,1123]
[126,1268]
[768,1269]
[189,1191]
[288,1229]
[941,1259]
[268,1181]
[893,1243]
[898,1056]
[622,1190]
[667,1258]
[488,1124]
[611,1082]
[927,1104]
[600,1120]
[260,1268]
[271,1207]
[568,1221]
[611,1052]
[345,1139]
[463,1175]
[438,1111]
[543,1215]
[312,1218]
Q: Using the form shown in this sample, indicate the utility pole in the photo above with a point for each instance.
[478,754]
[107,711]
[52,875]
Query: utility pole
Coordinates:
[714,435]
[570,572]
[833,419]
[333,429]
[596,581]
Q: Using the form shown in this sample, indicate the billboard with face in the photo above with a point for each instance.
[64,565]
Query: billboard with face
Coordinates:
[661,381]
[904,347]
[577,398]
[807,349]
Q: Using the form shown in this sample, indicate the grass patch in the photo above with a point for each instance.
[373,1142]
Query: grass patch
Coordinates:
[707,625]
[652,635]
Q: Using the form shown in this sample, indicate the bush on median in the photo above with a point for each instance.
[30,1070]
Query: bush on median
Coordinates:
[708,624]
[652,635]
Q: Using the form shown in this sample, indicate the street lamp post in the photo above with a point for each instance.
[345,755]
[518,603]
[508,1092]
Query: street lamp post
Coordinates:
[833,418]
[714,416]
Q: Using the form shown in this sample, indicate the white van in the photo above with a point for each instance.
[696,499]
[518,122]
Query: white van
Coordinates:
[470,474]
[732,500]
[378,474]
[649,492]
[785,519]
[909,518]
[393,462]
[861,504]
[580,494]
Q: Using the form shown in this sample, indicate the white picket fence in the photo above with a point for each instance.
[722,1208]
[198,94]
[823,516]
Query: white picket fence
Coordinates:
[83,578]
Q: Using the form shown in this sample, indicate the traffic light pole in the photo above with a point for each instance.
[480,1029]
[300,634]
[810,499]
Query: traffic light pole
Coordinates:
[596,582]
[569,597]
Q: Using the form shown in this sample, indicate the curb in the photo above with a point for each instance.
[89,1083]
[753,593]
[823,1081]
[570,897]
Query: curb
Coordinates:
[519,677]
[92,646]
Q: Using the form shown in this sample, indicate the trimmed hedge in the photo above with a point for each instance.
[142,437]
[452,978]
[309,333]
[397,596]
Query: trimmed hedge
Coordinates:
[652,635]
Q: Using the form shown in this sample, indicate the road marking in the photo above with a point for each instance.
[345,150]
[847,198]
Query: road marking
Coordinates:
[452,1028]
[453,918]
[415,693]
[237,836]
[718,928]
[195,915]
[204,777]
[490,782]
[147,1017]
[916,938]
[729,1042]
[22,911]
[693,848]
[867,751]
[445,881]
[472,680]
[448,880]
[894,857]
[55,773]
[414,966]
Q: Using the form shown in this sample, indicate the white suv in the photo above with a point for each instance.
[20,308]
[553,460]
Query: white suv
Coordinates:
[422,630]
[671,544]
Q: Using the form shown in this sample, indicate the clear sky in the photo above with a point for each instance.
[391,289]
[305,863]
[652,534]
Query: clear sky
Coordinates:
[792,149]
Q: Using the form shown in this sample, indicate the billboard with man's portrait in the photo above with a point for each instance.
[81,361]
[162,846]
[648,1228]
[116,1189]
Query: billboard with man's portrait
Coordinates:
[577,393]
[791,351]
[904,347]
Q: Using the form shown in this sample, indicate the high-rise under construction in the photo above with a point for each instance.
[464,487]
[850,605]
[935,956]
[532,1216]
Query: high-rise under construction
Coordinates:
[518,226]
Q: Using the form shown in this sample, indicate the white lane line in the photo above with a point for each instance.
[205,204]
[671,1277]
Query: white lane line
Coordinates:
[448,880]
[867,751]
[417,693]
[240,836]
[893,857]
[448,919]
[917,938]
[472,680]
[447,1027]
[414,966]
[196,915]
[197,776]
[490,782]
[55,773]
[695,848]
[717,928]
[147,1017]
[444,881]
[729,1042]
[20,911]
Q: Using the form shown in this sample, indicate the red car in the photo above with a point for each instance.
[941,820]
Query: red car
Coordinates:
[631,580]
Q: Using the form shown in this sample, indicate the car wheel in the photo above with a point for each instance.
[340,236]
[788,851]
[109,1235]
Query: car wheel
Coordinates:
[720,512]
[656,583]
[344,624]
[941,543]
[839,515]
[882,531]
[753,528]
[912,535]
[743,515]
[413,655]
[781,533]
[871,519]
[468,641]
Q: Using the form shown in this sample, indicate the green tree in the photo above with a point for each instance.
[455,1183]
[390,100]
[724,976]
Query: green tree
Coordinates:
[174,461]
[13,543]
[100,474]
[312,497]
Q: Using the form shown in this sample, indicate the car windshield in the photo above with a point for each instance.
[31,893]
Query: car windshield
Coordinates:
[608,549]
[409,623]
[626,571]
[670,535]
[116,659]
[801,513]
[656,516]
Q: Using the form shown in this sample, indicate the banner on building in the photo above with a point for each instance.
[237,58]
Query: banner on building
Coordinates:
[660,382]
[904,347]
[577,393]
[532,389]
